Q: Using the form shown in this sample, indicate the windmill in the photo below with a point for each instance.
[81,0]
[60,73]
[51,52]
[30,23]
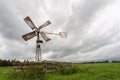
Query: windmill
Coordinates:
[37,32]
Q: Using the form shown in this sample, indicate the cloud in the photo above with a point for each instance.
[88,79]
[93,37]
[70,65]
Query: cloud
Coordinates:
[97,33]
[92,26]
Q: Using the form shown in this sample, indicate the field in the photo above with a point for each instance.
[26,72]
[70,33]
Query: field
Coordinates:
[4,72]
[95,71]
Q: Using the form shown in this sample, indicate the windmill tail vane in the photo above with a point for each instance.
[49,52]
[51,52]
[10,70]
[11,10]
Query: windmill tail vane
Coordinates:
[62,34]
[37,32]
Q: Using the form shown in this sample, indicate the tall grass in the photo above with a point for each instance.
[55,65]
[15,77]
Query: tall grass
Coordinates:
[68,70]
[33,73]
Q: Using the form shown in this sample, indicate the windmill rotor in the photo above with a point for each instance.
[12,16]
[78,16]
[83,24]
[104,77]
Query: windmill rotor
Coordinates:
[37,32]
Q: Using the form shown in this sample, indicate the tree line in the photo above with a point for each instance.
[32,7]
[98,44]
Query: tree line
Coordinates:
[8,62]
[104,61]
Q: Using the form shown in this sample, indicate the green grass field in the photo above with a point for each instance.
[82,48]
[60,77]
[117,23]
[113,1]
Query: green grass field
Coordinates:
[96,71]
[4,72]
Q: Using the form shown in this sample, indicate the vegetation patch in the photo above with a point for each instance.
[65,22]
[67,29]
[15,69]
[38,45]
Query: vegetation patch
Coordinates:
[33,73]
[68,70]
[90,71]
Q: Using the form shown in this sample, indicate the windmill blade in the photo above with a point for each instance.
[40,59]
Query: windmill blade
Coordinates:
[63,34]
[45,24]
[45,37]
[28,36]
[29,22]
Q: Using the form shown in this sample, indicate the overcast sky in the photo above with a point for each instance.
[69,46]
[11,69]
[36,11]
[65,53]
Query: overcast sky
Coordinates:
[93,28]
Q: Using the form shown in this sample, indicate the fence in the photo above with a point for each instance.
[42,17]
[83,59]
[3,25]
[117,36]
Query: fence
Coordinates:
[44,66]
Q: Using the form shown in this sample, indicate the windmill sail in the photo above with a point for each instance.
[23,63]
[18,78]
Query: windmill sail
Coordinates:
[45,24]
[29,22]
[45,37]
[28,36]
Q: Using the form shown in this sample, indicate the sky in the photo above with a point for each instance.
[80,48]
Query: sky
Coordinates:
[93,29]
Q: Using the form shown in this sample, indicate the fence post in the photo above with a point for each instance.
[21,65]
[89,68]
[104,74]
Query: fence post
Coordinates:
[45,67]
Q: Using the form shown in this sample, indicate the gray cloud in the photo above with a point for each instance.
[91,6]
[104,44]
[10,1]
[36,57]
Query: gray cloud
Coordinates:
[92,26]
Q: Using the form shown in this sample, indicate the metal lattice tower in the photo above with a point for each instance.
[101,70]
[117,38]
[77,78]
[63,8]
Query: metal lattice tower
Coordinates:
[38,56]
[37,32]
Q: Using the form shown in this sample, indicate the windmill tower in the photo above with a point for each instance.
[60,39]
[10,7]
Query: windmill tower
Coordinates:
[37,32]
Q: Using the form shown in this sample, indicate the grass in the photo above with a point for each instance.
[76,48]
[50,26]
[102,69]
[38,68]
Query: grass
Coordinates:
[99,71]
[5,72]
[96,71]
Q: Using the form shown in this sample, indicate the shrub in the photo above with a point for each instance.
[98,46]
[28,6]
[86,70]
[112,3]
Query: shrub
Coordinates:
[68,70]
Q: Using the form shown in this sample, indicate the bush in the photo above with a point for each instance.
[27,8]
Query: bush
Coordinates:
[68,70]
